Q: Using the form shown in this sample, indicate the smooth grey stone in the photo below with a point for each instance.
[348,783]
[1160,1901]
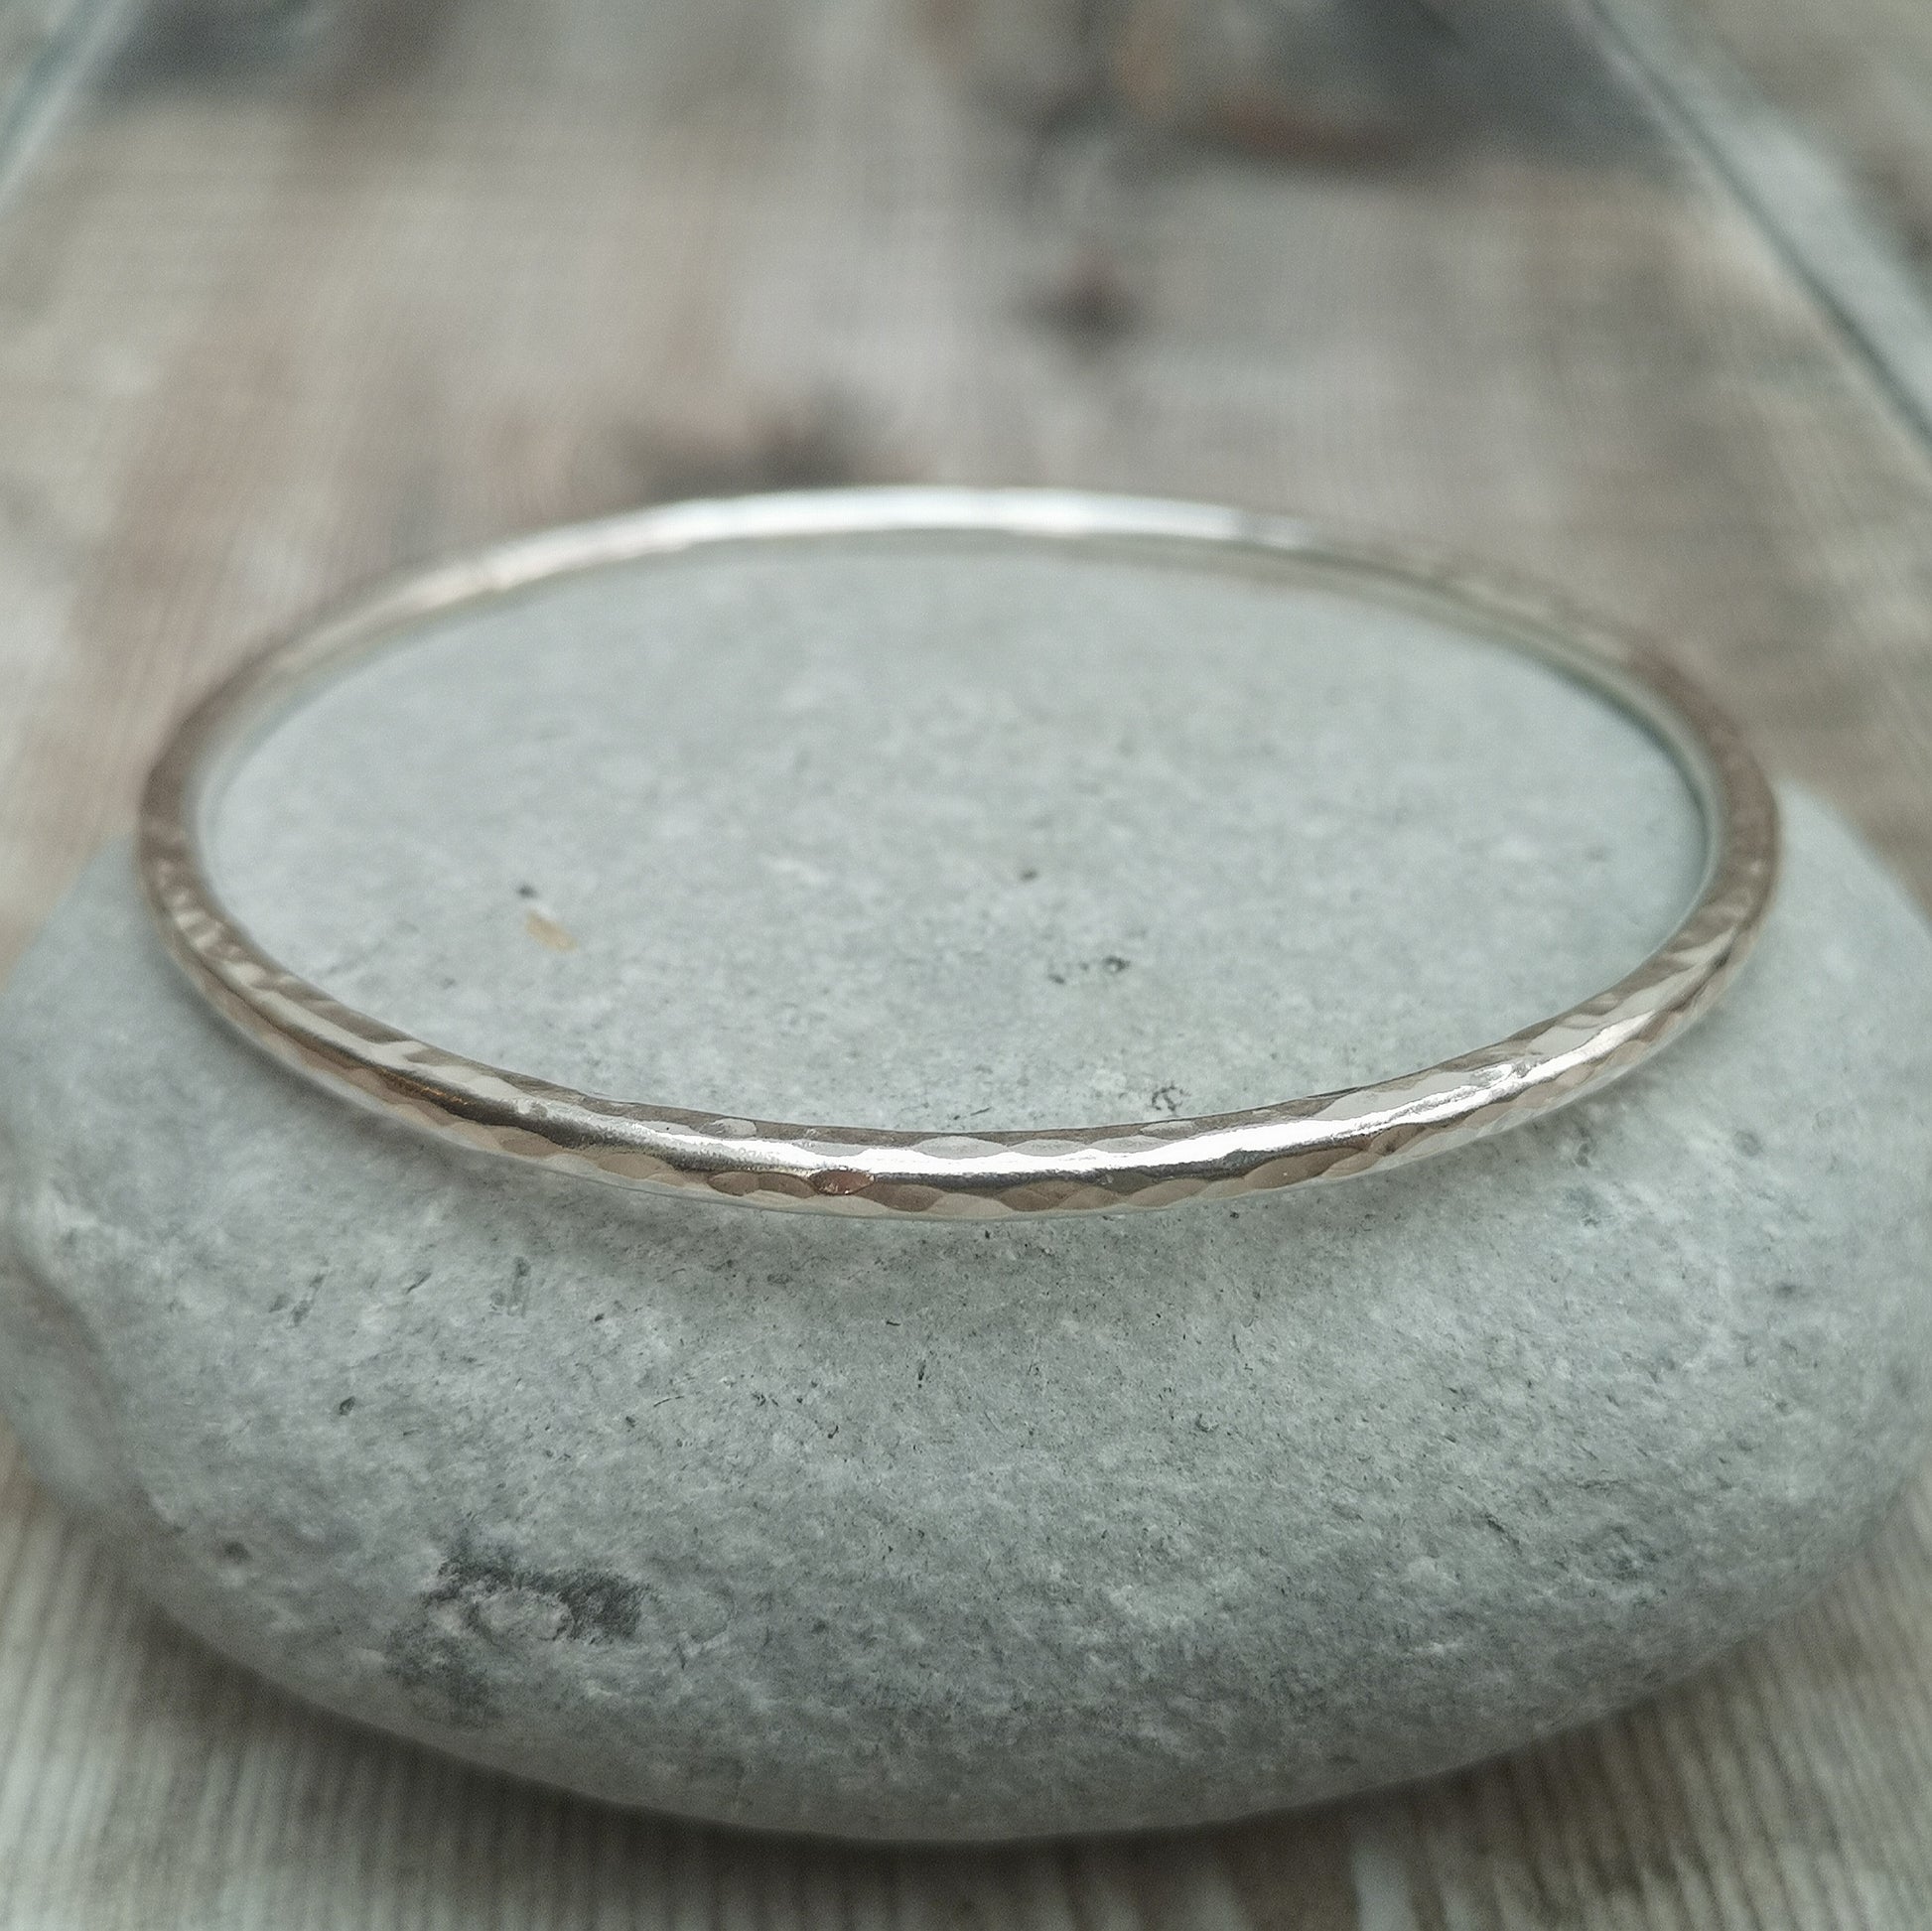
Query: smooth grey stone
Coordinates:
[953,1531]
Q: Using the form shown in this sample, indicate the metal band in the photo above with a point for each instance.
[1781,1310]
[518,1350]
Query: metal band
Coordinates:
[862,1171]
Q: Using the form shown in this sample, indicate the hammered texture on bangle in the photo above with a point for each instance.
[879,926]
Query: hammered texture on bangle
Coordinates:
[866,1171]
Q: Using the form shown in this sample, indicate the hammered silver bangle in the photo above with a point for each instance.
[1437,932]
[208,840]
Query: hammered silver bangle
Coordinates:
[1063,1170]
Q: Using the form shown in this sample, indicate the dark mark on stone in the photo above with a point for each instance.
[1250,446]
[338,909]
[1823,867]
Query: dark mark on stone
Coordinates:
[1507,1533]
[346,1406]
[486,1603]
[441,1675]
[1618,1554]
[515,1299]
[599,1604]
[1113,964]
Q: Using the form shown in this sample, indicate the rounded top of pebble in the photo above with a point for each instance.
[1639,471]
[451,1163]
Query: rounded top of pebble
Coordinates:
[942,832]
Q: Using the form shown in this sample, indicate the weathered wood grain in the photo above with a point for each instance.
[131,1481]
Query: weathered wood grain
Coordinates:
[1838,238]
[1857,78]
[297,294]
[42,42]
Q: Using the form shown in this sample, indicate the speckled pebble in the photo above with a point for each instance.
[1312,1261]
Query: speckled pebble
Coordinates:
[947,1531]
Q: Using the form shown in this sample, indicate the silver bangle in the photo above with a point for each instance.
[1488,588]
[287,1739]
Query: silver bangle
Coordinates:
[855,1169]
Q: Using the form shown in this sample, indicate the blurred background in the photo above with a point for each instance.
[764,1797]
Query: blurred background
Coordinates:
[1626,295]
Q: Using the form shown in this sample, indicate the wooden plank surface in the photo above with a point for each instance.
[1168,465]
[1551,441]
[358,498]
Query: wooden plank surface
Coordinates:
[1857,78]
[295,294]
